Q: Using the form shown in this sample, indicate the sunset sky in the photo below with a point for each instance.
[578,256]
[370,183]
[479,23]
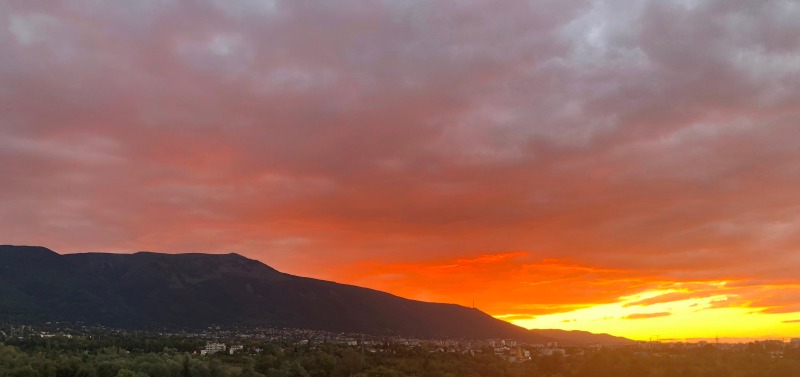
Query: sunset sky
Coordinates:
[630,167]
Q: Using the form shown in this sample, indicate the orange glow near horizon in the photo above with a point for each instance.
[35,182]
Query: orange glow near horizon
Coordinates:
[564,295]
[676,321]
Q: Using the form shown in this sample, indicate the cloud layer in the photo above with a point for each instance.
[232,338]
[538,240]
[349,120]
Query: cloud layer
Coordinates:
[606,146]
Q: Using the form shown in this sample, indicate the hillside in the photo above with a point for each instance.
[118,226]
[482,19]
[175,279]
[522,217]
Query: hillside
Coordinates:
[152,290]
[582,338]
[195,290]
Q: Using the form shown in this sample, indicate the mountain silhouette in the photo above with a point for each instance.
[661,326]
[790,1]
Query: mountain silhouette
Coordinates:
[189,291]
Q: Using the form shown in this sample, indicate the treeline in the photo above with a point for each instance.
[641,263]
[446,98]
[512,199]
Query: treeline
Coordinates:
[133,356]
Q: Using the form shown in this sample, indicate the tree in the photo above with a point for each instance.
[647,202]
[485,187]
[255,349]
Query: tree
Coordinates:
[129,373]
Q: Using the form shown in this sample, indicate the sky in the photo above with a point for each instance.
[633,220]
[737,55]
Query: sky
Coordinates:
[625,167]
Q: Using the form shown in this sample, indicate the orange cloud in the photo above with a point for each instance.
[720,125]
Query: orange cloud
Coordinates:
[502,283]
[515,317]
[647,315]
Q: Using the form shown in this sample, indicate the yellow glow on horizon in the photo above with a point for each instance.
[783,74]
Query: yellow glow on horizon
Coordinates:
[687,318]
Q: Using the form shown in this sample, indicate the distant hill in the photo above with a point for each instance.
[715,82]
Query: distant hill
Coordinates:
[582,338]
[152,290]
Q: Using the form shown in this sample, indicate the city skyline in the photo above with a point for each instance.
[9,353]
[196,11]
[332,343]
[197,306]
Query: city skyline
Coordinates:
[617,167]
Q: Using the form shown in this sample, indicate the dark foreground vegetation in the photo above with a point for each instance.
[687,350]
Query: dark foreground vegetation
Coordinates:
[140,356]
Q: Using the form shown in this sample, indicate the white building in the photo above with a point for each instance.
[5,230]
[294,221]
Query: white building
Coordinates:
[552,351]
[212,348]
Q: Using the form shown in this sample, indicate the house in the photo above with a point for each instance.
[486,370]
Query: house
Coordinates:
[212,347]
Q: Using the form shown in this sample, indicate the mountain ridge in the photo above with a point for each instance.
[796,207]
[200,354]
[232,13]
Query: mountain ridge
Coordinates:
[195,290]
